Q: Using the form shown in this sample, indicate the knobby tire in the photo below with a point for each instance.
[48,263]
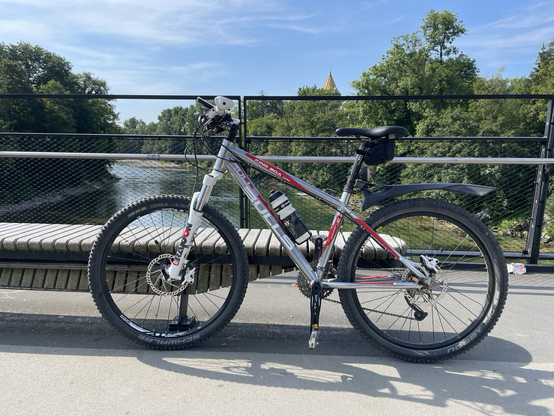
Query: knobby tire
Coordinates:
[464,300]
[126,282]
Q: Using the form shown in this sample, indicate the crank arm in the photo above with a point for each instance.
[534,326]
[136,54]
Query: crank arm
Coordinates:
[315,307]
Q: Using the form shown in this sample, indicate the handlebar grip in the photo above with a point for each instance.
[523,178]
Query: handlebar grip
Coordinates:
[204,103]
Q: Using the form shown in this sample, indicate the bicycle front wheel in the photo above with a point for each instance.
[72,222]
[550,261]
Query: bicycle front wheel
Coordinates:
[128,285]
[461,304]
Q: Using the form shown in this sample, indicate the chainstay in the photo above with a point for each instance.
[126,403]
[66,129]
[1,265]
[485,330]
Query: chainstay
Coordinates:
[375,310]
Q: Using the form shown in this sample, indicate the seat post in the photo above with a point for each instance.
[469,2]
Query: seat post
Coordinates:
[354,172]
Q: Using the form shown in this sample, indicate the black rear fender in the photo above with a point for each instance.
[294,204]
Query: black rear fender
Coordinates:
[373,198]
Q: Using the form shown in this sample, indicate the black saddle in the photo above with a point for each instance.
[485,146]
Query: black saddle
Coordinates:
[377,132]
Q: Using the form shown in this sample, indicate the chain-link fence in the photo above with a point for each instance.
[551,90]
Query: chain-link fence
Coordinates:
[506,210]
[89,190]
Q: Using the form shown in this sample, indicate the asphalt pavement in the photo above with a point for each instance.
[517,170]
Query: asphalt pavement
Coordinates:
[59,357]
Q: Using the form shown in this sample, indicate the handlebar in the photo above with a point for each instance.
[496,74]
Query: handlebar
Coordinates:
[204,103]
[216,117]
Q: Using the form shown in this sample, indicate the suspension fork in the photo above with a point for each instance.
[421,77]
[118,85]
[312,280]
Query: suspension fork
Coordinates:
[199,200]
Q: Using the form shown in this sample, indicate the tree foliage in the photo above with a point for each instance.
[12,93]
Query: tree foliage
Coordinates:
[174,121]
[426,62]
[25,68]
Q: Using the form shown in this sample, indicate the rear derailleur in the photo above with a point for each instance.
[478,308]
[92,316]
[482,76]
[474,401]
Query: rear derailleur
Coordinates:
[424,295]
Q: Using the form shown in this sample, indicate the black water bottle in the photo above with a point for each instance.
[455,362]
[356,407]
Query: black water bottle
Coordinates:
[289,217]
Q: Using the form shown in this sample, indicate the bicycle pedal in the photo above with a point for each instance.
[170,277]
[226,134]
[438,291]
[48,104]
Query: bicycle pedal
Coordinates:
[313,339]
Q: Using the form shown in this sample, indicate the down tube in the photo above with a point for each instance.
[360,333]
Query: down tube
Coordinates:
[297,183]
[265,212]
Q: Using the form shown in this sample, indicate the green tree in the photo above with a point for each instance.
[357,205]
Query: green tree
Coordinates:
[171,121]
[487,118]
[440,30]
[425,62]
[310,118]
[542,76]
[261,108]
[25,68]
[542,82]
[136,126]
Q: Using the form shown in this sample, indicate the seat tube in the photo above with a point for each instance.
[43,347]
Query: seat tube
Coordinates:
[338,219]
[354,172]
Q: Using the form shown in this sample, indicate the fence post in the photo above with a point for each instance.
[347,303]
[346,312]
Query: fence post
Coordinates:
[244,203]
[532,247]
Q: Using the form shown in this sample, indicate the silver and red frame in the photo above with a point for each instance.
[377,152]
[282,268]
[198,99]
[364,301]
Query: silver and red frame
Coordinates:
[230,159]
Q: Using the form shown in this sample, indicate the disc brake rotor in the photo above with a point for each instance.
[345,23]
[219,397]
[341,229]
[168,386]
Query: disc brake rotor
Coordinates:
[158,282]
[426,295]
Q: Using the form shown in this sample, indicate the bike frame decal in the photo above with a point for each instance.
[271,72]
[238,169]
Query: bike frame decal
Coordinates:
[261,205]
[362,280]
[276,171]
[333,231]
[269,169]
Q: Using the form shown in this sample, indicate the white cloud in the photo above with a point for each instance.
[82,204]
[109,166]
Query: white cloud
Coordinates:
[528,16]
[183,23]
[515,40]
[512,41]
[529,19]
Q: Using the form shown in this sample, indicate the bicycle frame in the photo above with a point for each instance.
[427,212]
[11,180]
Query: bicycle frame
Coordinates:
[228,160]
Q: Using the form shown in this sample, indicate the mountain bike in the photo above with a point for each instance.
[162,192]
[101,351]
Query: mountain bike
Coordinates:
[420,279]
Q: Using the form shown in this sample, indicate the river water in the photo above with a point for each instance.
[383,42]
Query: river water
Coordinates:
[140,179]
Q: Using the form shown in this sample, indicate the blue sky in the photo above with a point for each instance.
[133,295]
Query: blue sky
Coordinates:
[242,47]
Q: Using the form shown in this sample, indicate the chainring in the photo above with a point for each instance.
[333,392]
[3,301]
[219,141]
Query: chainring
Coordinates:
[303,283]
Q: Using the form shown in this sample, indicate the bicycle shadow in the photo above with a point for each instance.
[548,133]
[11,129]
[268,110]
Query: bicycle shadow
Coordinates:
[476,380]
[497,376]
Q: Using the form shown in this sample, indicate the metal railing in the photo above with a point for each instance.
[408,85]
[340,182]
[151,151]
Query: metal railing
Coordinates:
[530,251]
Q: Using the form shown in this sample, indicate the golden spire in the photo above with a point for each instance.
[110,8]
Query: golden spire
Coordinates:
[330,84]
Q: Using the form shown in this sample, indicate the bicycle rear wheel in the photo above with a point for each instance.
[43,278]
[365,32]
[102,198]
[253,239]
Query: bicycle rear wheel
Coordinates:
[126,279]
[466,295]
